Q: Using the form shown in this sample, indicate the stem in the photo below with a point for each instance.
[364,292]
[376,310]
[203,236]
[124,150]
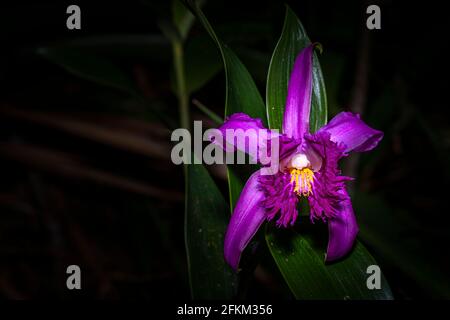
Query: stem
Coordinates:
[183,105]
[211,114]
[183,97]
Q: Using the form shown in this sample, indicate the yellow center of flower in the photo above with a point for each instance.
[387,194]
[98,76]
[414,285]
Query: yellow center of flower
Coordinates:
[302,179]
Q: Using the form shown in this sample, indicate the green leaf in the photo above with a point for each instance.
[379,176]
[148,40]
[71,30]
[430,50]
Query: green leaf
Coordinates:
[301,261]
[202,63]
[293,39]
[182,18]
[235,184]
[242,95]
[256,62]
[211,114]
[207,216]
[90,67]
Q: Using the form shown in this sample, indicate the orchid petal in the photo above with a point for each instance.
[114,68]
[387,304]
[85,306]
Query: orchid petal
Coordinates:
[245,134]
[247,217]
[298,101]
[342,229]
[349,129]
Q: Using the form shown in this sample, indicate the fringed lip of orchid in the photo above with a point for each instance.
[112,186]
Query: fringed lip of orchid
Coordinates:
[308,168]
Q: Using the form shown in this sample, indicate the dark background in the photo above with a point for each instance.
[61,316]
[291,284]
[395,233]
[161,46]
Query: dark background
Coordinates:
[85,170]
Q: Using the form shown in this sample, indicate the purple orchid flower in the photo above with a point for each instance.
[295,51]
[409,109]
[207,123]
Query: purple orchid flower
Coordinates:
[308,167]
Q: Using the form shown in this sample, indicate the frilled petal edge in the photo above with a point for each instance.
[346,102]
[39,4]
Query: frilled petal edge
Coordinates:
[247,217]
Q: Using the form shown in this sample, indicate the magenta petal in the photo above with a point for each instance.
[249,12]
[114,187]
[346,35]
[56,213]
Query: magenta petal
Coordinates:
[349,129]
[247,217]
[298,101]
[247,129]
[342,229]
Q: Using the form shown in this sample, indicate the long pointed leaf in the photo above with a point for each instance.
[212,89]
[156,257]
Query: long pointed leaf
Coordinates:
[302,265]
[242,95]
[207,216]
[293,39]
